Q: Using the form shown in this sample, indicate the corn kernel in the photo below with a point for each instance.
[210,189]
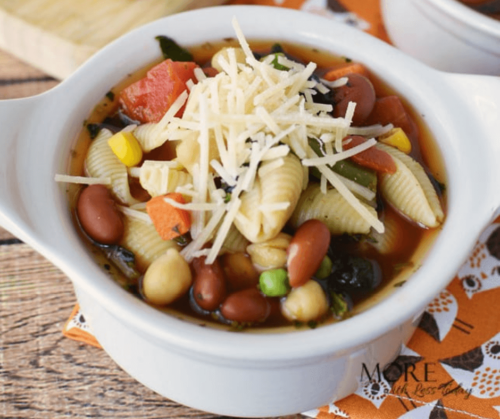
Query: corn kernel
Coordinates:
[126,148]
[396,137]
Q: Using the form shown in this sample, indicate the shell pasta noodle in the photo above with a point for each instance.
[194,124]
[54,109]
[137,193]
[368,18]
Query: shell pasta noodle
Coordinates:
[262,181]
[143,240]
[102,162]
[331,208]
[261,216]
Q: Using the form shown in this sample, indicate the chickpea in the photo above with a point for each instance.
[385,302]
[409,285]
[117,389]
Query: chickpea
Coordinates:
[225,54]
[305,303]
[167,278]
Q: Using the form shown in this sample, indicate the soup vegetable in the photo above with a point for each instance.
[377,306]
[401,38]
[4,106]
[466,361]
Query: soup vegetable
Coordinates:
[257,188]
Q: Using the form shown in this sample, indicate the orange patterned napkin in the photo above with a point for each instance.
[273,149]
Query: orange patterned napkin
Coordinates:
[451,367]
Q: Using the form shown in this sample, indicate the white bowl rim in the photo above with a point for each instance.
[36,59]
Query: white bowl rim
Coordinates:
[355,332]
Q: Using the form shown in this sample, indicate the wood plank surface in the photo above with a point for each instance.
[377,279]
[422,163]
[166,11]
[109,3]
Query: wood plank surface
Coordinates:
[42,373]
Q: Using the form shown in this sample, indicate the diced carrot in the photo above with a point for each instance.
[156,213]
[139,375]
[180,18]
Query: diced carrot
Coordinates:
[345,69]
[169,221]
[149,98]
[390,110]
[373,158]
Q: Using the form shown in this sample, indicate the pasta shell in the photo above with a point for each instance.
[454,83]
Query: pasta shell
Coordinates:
[270,254]
[159,179]
[147,135]
[143,240]
[257,220]
[388,241]
[410,191]
[332,209]
[188,152]
[235,241]
[102,162]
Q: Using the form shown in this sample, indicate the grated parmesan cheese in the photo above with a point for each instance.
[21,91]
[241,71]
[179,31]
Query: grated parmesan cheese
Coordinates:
[255,115]
[140,215]
[334,158]
[82,180]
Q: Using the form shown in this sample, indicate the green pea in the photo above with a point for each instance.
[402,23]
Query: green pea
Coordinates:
[324,269]
[274,283]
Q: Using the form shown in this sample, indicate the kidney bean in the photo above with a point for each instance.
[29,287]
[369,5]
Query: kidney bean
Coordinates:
[239,271]
[99,216]
[246,306]
[306,251]
[358,89]
[209,287]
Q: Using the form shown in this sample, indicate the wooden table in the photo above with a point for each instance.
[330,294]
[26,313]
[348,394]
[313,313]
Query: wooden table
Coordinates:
[42,373]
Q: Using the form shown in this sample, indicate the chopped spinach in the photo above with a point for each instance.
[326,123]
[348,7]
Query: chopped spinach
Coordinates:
[170,49]
[93,130]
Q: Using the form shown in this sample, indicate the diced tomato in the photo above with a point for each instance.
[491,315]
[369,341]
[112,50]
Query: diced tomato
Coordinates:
[373,158]
[390,110]
[148,99]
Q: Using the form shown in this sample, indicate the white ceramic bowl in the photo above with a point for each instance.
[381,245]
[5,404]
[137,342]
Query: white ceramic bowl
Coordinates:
[246,374]
[444,34]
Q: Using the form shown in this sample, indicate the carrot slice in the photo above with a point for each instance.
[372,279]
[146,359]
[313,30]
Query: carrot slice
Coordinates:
[344,70]
[373,158]
[169,221]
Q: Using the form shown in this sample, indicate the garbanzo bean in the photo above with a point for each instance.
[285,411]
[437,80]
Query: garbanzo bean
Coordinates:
[167,278]
[305,303]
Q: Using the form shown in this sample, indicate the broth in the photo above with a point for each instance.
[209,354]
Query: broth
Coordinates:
[412,240]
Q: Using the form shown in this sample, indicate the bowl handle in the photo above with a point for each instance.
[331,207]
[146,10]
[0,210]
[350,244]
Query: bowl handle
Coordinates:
[15,115]
[481,95]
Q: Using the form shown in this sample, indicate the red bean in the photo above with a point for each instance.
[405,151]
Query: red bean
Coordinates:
[99,216]
[209,287]
[246,306]
[358,89]
[306,251]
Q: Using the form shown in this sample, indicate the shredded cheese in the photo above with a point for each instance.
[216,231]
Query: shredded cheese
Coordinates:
[140,215]
[82,180]
[254,115]
[334,158]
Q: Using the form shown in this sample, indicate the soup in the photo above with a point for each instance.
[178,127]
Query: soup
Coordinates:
[256,185]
